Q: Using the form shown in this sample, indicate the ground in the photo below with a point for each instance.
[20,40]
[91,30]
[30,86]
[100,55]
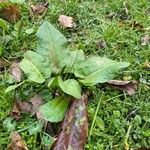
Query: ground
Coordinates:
[116,119]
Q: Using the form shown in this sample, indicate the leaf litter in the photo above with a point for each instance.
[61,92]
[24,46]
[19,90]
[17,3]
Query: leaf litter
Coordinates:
[66,21]
[74,127]
[17,143]
[127,86]
[39,9]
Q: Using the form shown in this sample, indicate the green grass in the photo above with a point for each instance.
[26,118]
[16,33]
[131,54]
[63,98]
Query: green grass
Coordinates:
[114,117]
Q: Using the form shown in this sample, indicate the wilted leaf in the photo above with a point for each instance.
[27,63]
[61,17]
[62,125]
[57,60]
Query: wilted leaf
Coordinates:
[35,67]
[55,109]
[98,70]
[17,143]
[127,86]
[53,46]
[71,87]
[39,9]
[145,40]
[66,21]
[16,71]
[74,128]
[10,13]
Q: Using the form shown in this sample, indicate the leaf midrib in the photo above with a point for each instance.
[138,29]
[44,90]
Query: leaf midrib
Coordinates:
[98,71]
[34,66]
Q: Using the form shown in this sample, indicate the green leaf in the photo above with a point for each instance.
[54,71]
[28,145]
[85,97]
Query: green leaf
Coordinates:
[98,70]
[53,45]
[48,140]
[35,128]
[17,1]
[35,67]
[75,58]
[55,109]
[12,87]
[52,82]
[70,87]
[4,24]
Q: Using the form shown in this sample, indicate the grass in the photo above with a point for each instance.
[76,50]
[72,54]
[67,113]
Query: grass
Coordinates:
[116,119]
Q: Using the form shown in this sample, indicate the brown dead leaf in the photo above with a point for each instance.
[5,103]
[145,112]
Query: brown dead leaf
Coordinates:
[19,107]
[127,86]
[11,13]
[101,44]
[145,40]
[39,9]
[74,127]
[36,102]
[15,113]
[16,72]
[17,143]
[66,21]
[136,25]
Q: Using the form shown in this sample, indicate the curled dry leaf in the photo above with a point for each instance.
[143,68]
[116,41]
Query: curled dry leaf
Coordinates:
[74,127]
[66,21]
[11,13]
[145,40]
[127,86]
[17,143]
[16,72]
[39,9]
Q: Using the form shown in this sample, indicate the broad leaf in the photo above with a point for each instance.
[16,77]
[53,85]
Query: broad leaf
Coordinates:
[71,87]
[55,109]
[98,70]
[75,58]
[74,131]
[35,67]
[53,45]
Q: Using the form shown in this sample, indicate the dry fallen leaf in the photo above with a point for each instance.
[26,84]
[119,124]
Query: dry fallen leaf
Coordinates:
[145,40]
[127,86]
[16,72]
[19,107]
[101,44]
[17,143]
[66,21]
[10,13]
[74,127]
[36,102]
[39,9]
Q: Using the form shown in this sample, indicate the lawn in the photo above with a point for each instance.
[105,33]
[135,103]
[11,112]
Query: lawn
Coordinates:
[110,28]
